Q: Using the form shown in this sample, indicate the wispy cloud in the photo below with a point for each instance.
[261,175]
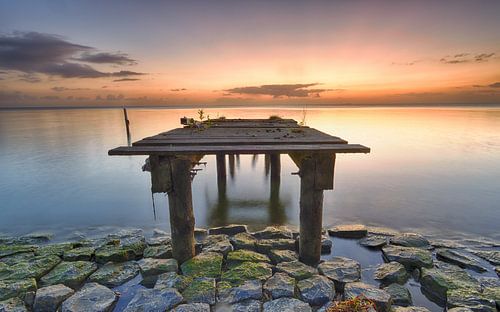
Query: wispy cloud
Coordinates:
[279,90]
[61,89]
[126,79]
[467,58]
[178,89]
[38,53]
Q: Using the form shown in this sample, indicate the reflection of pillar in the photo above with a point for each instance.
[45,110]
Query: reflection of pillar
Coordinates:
[266,164]
[316,174]
[231,166]
[219,216]
[255,158]
[276,208]
[221,173]
[238,161]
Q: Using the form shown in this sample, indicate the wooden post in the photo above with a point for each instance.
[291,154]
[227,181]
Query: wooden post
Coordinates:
[275,163]
[276,208]
[181,209]
[316,175]
[127,126]
[221,173]
[232,165]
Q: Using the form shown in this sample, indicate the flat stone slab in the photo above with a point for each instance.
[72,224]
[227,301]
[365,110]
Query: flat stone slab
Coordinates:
[341,269]
[380,297]
[91,298]
[316,290]
[243,241]
[400,295]
[158,240]
[217,243]
[34,267]
[460,258]
[374,241]
[266,245]
[410,240]
[274,232]
[392,272]
[348,231]
[245,271]
[414,309]
[54,249]
[207,264]
[280,285]
[79,254]
[230,229]
[115,274]
[244,306]
[239,256]
[472,299]
[408,256]
[296,269]
[251,289]
[158,252]
[71,274]
[201,290]
[9,250]
[278,256]
[13,305]
[16,288]
[492,256]
[150,266]
[172,280]
[154,300]
[286,305]
[193,307]
[50,298]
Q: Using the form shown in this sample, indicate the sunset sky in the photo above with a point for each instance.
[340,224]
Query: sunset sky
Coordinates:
[106,53]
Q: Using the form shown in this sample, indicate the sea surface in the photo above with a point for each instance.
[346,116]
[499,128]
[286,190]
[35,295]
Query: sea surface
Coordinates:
[432,170]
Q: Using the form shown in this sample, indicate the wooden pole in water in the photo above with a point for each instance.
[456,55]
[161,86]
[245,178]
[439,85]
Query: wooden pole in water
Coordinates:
[232,165]
[127,126]
[221,173]
[181,209]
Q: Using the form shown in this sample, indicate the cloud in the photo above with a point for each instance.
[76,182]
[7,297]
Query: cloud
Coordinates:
[31,78]
[278,90]
[420,94]
[494,85]
[126,79]
[467,58]
[38,53]
[61,89]
[106,58]
[179,89]
[111,97]
[50,97]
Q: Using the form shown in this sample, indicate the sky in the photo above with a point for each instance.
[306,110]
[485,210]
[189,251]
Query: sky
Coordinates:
[248,53]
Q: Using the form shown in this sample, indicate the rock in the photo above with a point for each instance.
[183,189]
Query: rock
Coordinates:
[400,295]
[243,241]
[54,249]
[408,256]
[437,281]
[280,285]
[286,305]
[79,254]
[492,293]
[71,274]
[13,305]
[245,271]
[207,264]
[380,230]
[497,270]
[129,245]
[154,300]
[446,243]
[411,309]
[231,229]
[380,297]
[373,241]
[158,252]
[326,245]
[296,269]
[172,280]
[193,307]
[392,272]
[278,256]
[460,310]
[239,256]
[217,243]
[492,256]
[326,307]
[35,238]
[16,288]
[16,258]
[114,253]
[250,289]
[489,282]
[34,267]
[410,240]
[9,250]
[151,266]
[316,290]
[115,274]
[470,298]
[266,245]
[91,298]
[341,270]
[158,240]
[49,298]
[201,289]
[244,306]
[459,258]
[274,232]
[348,231]
[200,233]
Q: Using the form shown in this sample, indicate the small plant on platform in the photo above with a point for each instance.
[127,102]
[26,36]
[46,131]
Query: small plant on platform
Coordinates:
[358,304]
[201,114]
[275,117]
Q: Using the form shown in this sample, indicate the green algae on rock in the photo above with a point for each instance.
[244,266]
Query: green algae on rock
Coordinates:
[238,256]
[238,274]
[410,257]
[8,250]
[201,290]
[16,288]
[71,274]
[115,274]
[150,266]
[79,254]
[206,264]
[54,249]
[34,267]
[13,305]
[296,269]
[158,251]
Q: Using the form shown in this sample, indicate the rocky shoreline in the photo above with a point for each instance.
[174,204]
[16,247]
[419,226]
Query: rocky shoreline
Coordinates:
[235,270]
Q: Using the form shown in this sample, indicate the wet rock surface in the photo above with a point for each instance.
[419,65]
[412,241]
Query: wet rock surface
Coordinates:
[410,240]
[154,300]
[296,269]
[349,231]
[381,298]
[248,290]
[286,305]
[71,274]
[460,258]
[13,305]
[92,297]
[115,274]
[341,269]
[280,285]
[410,257]
[400,295]
[50,298]
[392,272]
[316,290]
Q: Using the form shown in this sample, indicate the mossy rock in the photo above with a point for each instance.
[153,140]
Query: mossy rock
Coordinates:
[173,280]
[158,252]
[239,256]
[54,249]
[470,298]
[296,269]
[247,271]
[71,274]
[34,267]
[115,274]
[8,250]
[266,245]
[79,254]
[201,289]
[14,259]
[16,288]
[243,241]
[207,264]
[13,305]
[114,253]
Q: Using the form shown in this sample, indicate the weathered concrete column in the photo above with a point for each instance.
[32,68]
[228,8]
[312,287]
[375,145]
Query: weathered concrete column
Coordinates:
[316,175]
[276,209]
[181,209]
[221,173]
[232,165]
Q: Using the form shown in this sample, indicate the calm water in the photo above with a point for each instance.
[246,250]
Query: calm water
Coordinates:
[435,170]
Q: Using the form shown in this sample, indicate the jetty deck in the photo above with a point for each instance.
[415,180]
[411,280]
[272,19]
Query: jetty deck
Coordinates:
[173,154]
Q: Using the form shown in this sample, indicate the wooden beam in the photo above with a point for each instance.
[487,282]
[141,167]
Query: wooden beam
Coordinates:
[240,149]
[160,174]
